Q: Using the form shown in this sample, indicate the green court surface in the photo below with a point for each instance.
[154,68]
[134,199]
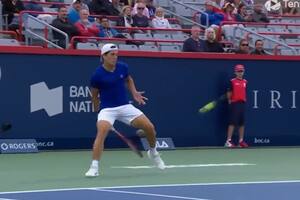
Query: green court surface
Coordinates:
[55,170]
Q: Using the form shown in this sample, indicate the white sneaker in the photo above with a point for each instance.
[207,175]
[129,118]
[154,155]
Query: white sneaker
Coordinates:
[158,162]
[92,172]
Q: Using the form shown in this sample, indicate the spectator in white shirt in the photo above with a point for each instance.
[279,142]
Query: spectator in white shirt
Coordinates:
[159,20]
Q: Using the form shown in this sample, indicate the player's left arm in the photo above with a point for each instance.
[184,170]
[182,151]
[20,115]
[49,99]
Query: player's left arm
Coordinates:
[137,96]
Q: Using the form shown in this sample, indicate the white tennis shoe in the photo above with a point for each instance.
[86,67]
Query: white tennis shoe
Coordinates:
[158,162]
[92,172]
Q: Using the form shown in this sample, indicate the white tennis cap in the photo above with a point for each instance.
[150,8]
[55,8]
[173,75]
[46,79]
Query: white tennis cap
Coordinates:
[108,47]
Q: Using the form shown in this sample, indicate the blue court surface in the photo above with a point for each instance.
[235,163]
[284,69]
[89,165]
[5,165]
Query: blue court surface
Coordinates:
[279,190]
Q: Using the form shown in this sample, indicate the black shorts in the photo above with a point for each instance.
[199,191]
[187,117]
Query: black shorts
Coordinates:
[237,113]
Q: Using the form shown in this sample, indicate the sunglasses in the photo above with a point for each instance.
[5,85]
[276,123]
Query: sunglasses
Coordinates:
[244,45]
[141,8]
[240,71]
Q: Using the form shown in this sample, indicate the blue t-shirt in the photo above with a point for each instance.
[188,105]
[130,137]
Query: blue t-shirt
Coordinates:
[111,85]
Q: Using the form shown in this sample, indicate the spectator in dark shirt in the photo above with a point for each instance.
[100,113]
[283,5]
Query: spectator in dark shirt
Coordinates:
[259,48]
[63,24]
[243,47]
[12,8]
[103,7]
[140,20]
[210,44]
[151,8]
[126,18]
[243,14]
[193,44]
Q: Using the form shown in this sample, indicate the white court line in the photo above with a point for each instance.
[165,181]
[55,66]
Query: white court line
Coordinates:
[149,186]
[185,166]
[149,194]
[7,199]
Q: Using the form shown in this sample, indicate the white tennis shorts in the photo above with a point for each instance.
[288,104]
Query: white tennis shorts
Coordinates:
[126,114]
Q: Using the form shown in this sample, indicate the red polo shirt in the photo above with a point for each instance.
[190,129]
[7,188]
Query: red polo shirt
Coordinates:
[238,89]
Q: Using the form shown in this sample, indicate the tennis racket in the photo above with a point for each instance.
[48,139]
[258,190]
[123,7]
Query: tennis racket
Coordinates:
[211,105]
[131,145]
[5,127]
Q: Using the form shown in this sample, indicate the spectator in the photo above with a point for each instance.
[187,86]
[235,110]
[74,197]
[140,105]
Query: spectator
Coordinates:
[105,30]
[159,20]
[12,8]
[117,5]
[210,44]
[140,20]
[103,7]
[214,17]
[243,14]
[193,44]
[73,12]
[151,8]
[63,24]
[258,15]
[243,47]
[126,18]
[85,27]
[228,12]
[33,5]
[259,48]
[137,6]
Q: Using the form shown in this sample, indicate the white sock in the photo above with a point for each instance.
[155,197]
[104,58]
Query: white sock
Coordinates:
[153,150]
[95,163]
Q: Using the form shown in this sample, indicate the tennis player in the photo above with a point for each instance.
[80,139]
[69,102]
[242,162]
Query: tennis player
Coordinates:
[109,82]
[237,105]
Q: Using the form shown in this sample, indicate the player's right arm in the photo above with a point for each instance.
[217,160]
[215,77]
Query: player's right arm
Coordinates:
[95,99]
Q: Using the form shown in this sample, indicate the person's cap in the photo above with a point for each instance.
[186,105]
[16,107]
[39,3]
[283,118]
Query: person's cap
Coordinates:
[228,4]
[209,3]
[239,67]
[108,47]
[76,1]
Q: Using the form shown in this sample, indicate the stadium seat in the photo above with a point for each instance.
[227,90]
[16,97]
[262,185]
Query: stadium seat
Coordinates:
[143,36]
[180,37]
[148,48]
[9,42]
[170,48]
[128,47]
[87,46]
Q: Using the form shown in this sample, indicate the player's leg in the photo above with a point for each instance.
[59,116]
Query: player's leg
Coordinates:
[142,122]
[241,133]
[103,128]
[231,126]
[106,119]
[242,109]
[230,130]
[134,117]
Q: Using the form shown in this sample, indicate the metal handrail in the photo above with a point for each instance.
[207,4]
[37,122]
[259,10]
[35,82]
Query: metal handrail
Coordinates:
[195,9]
[46,26]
